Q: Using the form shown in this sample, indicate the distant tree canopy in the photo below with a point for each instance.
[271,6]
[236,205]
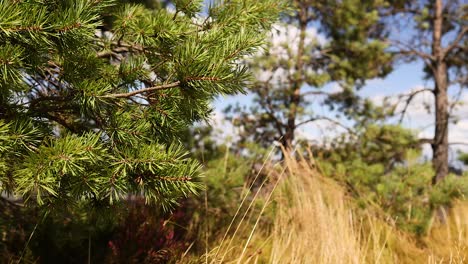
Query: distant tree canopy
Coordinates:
[94,94]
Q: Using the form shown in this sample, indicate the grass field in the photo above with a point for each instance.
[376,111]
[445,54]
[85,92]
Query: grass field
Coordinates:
[301,216]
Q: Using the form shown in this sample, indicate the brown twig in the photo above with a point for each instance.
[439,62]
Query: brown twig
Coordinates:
[144,90]
[410,98]
[457,40]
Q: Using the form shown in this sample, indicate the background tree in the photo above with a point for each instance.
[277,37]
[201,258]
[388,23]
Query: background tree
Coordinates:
[92,110]
[356,34]
[298,63]
[436,33]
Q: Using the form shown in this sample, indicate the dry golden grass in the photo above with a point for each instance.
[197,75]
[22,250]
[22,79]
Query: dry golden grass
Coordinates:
[313,221]
[448,242]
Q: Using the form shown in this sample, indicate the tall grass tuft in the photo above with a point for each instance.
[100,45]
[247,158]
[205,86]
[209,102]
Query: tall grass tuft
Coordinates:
[313,222]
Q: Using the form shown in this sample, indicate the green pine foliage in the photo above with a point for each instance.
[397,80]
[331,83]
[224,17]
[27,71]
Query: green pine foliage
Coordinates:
[94,94]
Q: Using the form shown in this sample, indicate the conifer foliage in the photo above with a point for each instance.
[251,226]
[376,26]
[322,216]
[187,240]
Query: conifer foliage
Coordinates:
[94,93]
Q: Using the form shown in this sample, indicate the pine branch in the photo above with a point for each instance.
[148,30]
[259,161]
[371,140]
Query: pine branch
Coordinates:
[159,87]
[144,90]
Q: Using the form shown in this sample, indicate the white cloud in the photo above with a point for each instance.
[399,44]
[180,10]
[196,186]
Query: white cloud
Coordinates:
[335,88]
[284,41]
[223,130]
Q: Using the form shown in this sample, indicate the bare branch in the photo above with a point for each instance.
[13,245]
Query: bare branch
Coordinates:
[122,45]
[410,98]
[455,101]
[457,40]
[279,125]
[391,11]
[462,80]
[458,143]
[405,49]
[267,105]
[424,56]
[59,120]
[144,90]
[426,141]
[335,122]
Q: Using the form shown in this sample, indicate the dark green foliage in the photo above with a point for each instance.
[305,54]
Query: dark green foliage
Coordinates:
[73,235]
[463,157]
[131,232]
[356,40]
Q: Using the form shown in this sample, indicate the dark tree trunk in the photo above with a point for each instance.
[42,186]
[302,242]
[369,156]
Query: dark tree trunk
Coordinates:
[296,82]
[440,144]
[439,70]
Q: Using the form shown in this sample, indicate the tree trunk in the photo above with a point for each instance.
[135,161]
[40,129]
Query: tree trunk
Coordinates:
[439,70]
[440,144]
[296,82]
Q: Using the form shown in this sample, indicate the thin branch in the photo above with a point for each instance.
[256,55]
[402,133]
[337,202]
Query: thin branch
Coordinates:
[457,40]
[410,98]
[265,102]
[392,11]
[424,56]
[405,49]
[118,47]
[109,54]
[59,121]
[458,143]
[335,122]
[426,141]
[462,80]
[455,102]
[270,111]
[144,90]
[34,101]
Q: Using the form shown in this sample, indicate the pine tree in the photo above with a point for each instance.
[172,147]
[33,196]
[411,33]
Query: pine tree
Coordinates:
[436,33]
[94,94]
[292,73]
